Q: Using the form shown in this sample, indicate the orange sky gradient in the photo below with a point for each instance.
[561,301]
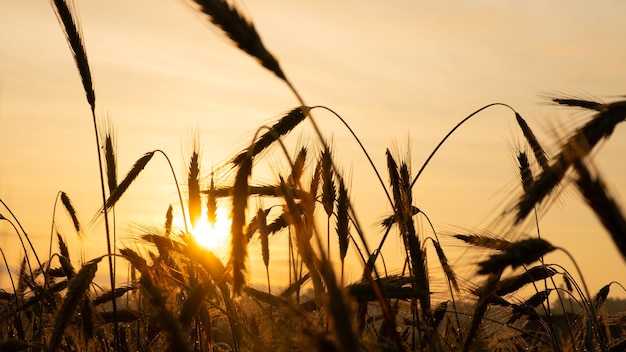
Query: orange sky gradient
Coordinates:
[401,73]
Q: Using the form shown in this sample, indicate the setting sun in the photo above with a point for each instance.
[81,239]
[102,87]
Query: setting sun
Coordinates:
[214,237]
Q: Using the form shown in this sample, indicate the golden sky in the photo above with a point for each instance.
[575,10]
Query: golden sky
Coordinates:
[399,72]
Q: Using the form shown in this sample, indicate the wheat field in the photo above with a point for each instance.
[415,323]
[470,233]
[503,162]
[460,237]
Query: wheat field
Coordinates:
[310,262]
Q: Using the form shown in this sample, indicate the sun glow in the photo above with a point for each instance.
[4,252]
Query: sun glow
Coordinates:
[216,236]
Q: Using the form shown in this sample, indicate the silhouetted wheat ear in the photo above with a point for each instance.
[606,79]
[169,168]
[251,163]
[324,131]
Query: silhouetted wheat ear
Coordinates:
[110,156]
[514,283]
[540,154]
[193,187]
[264,236]
[134,259]
[241,32]
[78,286]
[328,184]
[519,253]
[67,204]
[528,306]
[211,203]
[603,205]
[343,220]
[130,177]
[66,14]
[62,246]
[67,267]
[585,104]
[298,165]
[577,147]
[285,125]
[601,296]
[238,241]
[485,241]
[315,181]
[445,265]
[526,174]
[401,189]
[169,218]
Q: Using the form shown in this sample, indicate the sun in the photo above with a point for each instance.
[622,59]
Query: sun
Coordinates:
[214,237]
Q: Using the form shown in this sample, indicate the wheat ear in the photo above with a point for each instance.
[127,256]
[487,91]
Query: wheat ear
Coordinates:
[283,126]
[238,240]
[577,147]
[193,187]
[73,34]
[78,286]
[240,31]
[603,205]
